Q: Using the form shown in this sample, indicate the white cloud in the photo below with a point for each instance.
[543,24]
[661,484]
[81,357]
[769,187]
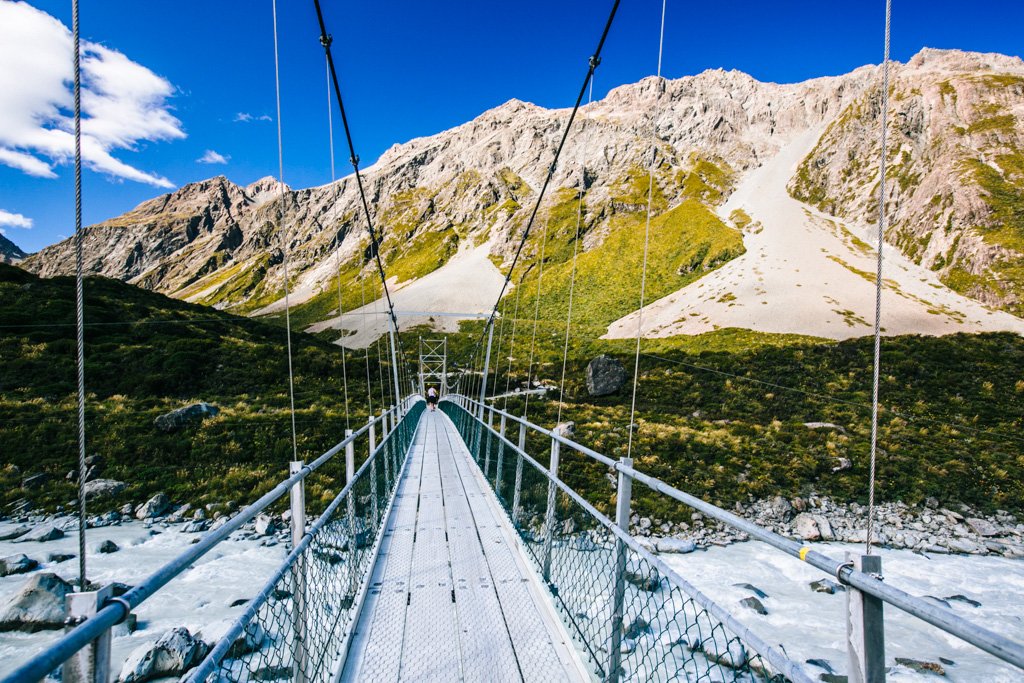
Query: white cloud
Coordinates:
[123,102]
[212,157]
[246,117]
[15,220]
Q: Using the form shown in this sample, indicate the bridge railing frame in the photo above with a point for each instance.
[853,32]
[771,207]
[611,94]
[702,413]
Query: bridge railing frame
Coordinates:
[92,627]
[868,586]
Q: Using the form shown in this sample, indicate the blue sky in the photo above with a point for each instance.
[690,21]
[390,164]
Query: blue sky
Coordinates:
[407,69]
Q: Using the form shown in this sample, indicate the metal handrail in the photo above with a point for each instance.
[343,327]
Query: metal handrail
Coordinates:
[991,642]
[778,659]
[116,611]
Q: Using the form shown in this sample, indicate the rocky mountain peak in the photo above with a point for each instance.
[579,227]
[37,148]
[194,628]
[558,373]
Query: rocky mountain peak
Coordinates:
[9,251]
[935,59]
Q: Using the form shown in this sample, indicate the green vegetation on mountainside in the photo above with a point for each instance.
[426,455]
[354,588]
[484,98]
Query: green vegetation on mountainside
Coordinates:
[147,354]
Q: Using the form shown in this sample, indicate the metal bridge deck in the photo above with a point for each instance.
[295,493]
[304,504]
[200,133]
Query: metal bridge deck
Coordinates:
[451,595]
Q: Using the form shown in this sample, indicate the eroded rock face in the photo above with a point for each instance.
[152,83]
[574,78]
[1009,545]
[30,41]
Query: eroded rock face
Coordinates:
[173,654]
[38,606]
[605,376]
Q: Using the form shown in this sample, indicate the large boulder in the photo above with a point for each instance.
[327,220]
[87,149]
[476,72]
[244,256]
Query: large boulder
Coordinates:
[41,534]
[39,605]
[982,527]
[806,527]
[154,507]
[12,532]
[176,652]
[17,564]
[35,481]
[605,376]
[101,488]
[176,419]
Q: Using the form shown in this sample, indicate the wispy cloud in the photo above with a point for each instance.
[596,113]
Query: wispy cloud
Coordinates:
[212,157]
[246,117]
[123,102]
[15,220]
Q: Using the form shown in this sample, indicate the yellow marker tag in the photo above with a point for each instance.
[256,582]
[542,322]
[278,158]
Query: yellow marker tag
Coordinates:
[803,553]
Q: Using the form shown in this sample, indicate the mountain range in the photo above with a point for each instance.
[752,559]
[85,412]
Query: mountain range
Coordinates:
[781,178]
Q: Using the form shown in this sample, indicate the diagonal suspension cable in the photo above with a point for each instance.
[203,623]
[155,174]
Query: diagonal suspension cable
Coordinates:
[282,226]
[647,240]
[592,64]
[536,312]
[79,300]
[878,278]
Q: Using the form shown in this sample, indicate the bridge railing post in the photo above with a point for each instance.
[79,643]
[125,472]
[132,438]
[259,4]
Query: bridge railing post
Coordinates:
[487,443]
[90,664]
[501,456]
[373,472]
[865,628]
[518,486]
[297,500]
[551,517]
[350,473]
[623,504]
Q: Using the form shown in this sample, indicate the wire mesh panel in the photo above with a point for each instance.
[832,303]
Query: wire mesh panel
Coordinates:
[298,626]
[630,621]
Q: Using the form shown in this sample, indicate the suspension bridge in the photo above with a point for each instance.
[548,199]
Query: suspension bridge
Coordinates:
[455,551]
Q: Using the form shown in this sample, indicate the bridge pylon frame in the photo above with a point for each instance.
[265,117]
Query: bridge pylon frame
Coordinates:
[433,364]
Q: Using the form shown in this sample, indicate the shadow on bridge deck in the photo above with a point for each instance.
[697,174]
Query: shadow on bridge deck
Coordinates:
[451,595]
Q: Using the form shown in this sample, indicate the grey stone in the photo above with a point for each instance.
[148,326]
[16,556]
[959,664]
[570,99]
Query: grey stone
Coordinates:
[643,575]
[825,425]
[806,528]
[962,545]
[675,545]
[982,527]
[962,598]
[35,481]
[821,664]
[154,507]
[754,604]
[250,640]
[173,654]
[921,667]
[108,547]
[37,606]
[265,525]
[566,429]
[177,419]
[14,532]
[41,534]
[605,376]
[753,589]
[826,586]
[17,564]
[637,628]
[58,557]
[196,526]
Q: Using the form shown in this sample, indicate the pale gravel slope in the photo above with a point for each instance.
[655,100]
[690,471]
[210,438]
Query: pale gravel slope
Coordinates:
[468,284]
[796,276]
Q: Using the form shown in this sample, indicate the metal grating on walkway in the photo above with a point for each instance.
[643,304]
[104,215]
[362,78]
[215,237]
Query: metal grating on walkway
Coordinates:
[451,596]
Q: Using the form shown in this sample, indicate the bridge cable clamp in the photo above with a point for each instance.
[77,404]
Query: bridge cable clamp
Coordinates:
[326,40]
[839,571]
[124,603]
[595,61]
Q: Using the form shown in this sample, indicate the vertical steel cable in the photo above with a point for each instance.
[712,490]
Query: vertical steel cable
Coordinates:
[536,315]
[512,346]
[380,360]
[878,279]
[497,356]
[284,238]
[366,357]
[341,306]
[575,252]
[647,236]
[79,298]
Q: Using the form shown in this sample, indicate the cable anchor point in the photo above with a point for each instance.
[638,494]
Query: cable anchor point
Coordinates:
[355,161]
[326,39]
[594,62]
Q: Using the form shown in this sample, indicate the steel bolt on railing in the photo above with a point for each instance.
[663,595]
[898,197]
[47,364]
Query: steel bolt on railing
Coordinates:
[866,592]
[83,652]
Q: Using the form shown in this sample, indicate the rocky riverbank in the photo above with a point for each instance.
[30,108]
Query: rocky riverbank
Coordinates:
[931,528]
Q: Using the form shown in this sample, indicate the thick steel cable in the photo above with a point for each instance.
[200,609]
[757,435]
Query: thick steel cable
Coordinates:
[575,252]
[647,238]
[79,297]
[341,305]
[878,279]
[284,237]
[536,313]
[592,64]
[380,359]
[497,355]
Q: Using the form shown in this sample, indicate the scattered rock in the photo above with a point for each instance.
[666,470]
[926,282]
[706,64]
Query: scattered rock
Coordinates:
[754,604]
[154,507]
[14,532]
[17,564]
[642,575]
[637,628]
[196,526]
[238,602]
[126,627]
[962,598]
[566,429]
[982,527]
[605,376]
[41,534]
[58,557]
[827,586]
[37,606]
[265,525]
[921,667]
[806,528]
[753,589]
[251,638]
[108,547]
[821,664]
[176,652]
[675,545]
[825,425]
[833,678]
[35,481]
[176,419]
[962,545]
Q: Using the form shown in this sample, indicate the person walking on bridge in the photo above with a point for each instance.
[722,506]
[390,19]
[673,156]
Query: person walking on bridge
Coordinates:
[432,398]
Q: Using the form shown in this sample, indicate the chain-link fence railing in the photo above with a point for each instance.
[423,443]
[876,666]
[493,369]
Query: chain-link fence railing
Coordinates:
[298,627]
[633,617]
